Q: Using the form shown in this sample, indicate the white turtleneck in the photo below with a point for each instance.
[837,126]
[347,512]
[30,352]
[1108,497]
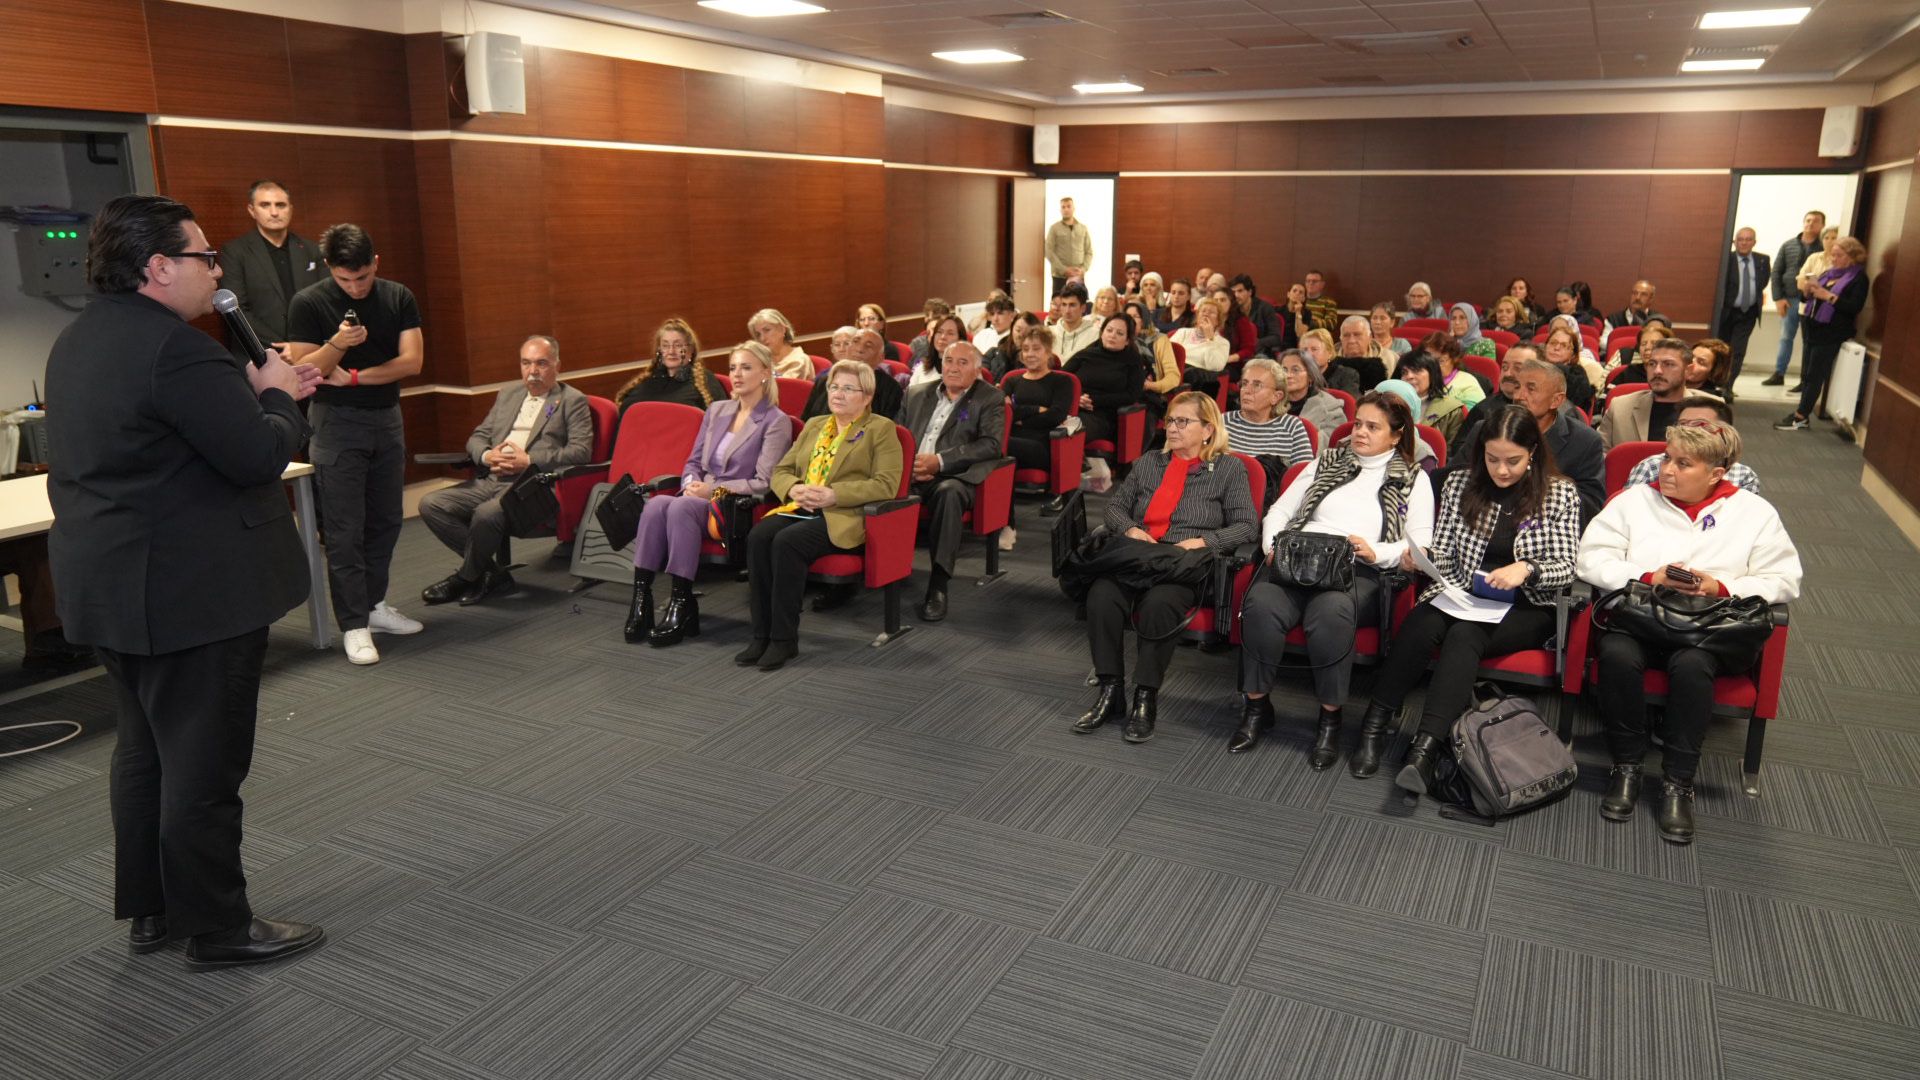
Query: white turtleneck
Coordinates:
[1353,509]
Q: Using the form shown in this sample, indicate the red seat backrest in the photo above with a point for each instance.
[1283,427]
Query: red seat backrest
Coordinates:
[1435,442]
[820,363]
[1256,478]
[793,395]
[605,414]
[1179,356]
[1346,402]
[655,439]
[1293,472]
[1480,365]
[1502,337]
[1621,460]
[1313,434]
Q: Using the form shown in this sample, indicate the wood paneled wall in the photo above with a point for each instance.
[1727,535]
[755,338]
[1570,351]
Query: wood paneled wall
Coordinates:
[1890,227]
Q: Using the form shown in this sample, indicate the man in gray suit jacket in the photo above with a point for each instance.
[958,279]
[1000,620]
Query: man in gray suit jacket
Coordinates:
[540,424]
[957,425]
[268,264]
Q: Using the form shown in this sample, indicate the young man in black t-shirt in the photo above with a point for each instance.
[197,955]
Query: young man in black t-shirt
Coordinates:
[364,333]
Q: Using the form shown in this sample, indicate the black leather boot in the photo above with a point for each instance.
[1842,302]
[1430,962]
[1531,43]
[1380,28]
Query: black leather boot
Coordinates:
[1256,716]
[640,611]
[1417,774]
[1109,703]
[1140,719]
[1675,816]
[1326,743]
[1623,791]
[1373,740]
[682,618]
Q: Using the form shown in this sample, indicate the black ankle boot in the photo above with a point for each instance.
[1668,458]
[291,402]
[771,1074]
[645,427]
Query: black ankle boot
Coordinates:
[1256,716]
[1623,791]
[1109,703]
[1373,740]
[1417,774]
[751,655]
[1326,742]
[640,612]
[1140,719]
[1675,816]
[682,618]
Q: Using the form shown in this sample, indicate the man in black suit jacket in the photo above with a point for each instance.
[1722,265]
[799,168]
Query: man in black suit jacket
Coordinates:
[1743,291]
[173,549]
[1639,308]
[270,263]
[958,426]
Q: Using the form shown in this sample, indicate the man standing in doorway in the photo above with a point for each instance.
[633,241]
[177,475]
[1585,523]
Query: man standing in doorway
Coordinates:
[1744,290]
[1786,294]
[268,265]
[1069,247]
[363,333]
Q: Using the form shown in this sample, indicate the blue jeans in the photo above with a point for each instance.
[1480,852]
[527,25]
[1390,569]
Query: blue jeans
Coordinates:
[1788,326]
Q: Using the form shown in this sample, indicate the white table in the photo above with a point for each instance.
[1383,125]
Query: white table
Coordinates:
[25,511]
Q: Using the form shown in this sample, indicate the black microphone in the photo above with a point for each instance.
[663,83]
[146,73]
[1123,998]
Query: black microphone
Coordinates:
[241,331]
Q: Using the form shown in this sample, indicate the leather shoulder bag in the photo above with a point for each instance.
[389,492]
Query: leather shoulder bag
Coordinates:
[1732,628]
[1310,560]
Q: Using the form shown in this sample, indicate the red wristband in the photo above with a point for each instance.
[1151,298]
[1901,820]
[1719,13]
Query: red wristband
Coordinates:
[354,374]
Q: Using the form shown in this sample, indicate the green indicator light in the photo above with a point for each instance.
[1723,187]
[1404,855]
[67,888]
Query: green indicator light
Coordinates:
[49,235]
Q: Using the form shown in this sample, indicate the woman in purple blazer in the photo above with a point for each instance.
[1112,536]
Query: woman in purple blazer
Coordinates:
[740,441]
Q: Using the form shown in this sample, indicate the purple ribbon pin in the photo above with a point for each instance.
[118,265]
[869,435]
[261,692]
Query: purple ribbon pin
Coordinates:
[1707,522]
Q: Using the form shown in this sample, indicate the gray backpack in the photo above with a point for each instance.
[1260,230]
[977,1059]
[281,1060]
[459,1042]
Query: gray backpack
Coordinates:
[1508,758]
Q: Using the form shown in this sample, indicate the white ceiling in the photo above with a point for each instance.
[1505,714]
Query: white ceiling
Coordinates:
[1268,47]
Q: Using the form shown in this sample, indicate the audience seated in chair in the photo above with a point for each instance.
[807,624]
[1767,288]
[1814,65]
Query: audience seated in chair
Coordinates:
[1494,402]
[1633,357]
[740,439]
[1439,409]
[1111,377]
[1562,348]
[956,425]
[865,347]
[1000,314]
[1041,399]
[1074,331]
[874,317]
[943,332]
[1421,304]
[538,424]
[1371,493]
[1710,367]
[1262,427]
[1381,323]
[1541,388]
[771,329]
[1697,407]
[674,374]
[1271,332]
[1463,323]
[922,345]
[1647,531]
[1178,312]
[1318,346]
[1358,354]
[1207,348]
[1306,393]
[1510,314]
[1645,414]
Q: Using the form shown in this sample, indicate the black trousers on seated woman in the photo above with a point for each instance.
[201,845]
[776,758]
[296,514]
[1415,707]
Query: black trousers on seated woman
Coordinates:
[1100,425]
[1110,610]
[1462,643]
[1029,452]
[779,550]
[1623,702]
[1331,618]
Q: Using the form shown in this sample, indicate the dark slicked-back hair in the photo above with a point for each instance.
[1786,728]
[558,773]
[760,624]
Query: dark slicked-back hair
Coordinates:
[346,246]
[131,230]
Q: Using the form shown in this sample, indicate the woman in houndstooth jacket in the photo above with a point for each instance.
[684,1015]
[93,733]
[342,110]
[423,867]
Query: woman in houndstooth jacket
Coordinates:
[1508,523]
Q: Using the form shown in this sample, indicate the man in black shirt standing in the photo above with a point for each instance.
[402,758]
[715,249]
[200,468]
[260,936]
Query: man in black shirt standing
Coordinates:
[363,332]
[267,266]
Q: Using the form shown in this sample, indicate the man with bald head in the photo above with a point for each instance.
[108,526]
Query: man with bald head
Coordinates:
[957,426]
[1639,308]
[869,348]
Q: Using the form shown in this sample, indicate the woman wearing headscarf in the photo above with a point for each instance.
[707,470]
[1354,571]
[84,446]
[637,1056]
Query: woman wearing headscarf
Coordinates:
[1465,324]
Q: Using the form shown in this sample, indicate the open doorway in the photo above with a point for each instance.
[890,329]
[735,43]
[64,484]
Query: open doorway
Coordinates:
[1774,206]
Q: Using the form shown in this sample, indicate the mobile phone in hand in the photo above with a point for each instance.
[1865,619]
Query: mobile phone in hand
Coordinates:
[1680,575]
[352,317]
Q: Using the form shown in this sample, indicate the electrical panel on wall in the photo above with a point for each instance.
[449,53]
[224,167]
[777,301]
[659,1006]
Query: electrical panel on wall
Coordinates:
[53,260]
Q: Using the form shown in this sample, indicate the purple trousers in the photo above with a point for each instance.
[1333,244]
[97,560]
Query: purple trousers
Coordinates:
[671,528]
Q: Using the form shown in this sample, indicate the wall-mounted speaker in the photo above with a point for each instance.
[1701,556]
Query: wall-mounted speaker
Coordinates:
[496,74]
[1840,131]
[1046,144]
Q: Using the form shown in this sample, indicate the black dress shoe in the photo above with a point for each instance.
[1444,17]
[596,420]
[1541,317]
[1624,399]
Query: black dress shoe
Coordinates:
[777,654]
[1373,740]
[1109,703]
[1796,388]
[1774,380]
[935,607]
[751,655]
[836,596]
[147,933]
[1675,812]
[493,581]
[1417,774]
[639,609]
[1326,741]
[257,942]
[1055,505]
[1256,716]
[445,591]
[1623,791]
[1141,718]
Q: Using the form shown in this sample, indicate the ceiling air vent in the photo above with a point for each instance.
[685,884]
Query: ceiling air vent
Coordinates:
[1730,52]
[1026,20]
[1191,73]
[1423,43]
[1349,80]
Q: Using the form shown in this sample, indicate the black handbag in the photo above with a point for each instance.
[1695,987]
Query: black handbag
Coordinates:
[1309,560]
[531,506]
[1733,629]
[619,513]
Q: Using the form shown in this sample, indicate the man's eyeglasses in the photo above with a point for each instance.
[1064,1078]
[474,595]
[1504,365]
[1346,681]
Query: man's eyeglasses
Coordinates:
[212,257]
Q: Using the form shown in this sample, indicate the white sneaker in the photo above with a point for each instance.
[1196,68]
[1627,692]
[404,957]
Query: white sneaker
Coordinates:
[1006,538]
[384,620]
[359,646]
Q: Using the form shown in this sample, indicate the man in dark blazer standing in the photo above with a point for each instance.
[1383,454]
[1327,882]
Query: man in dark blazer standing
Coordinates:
[1743,291]
[540,424]
[957,425]
[270,263]
[173,549]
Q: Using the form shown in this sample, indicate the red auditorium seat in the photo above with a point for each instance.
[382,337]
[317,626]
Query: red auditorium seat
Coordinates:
[886,559]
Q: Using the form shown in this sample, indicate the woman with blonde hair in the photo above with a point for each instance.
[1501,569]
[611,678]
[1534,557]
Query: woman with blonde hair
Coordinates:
[770,328]
[674,374]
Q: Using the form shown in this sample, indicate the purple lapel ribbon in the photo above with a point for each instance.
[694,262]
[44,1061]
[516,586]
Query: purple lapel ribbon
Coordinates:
[1707,523]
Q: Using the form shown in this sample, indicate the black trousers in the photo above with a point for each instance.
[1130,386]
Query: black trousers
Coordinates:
[1461,644]
[186,724]
[1110,610]
[360,464]
[1736,328]
[1030,451]
[943,503]
[1331,618]
[1623,702]
[1816,367]
[469,519]
[1100,425]
[779,550]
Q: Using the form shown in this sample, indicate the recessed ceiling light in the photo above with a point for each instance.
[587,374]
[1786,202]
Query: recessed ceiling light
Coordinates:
[763,9]
[1749,64]
[1746,20]
[978,56]
[1107,88]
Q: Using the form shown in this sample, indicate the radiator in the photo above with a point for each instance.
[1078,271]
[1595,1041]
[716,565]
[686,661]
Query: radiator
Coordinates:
[1843,393]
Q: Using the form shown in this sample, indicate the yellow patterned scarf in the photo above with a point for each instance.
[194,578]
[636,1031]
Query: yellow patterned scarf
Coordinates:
[824,448]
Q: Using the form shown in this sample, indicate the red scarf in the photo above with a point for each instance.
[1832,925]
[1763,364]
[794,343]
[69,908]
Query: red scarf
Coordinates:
[1166,497]
[1720,491]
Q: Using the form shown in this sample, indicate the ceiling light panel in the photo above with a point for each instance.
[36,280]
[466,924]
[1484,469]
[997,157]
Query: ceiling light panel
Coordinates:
[1748,20]
[763,9]
[1107,88]
[978,56]
[1752,63]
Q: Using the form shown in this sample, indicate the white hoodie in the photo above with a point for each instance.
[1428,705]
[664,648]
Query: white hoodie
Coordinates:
[1738,538]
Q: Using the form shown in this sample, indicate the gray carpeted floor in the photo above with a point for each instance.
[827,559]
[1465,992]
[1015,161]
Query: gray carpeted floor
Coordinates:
[542,854]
